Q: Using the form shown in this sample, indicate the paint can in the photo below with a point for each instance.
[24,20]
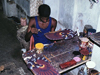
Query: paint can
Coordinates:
[84,42]
[39,48]
[91,31]
[86,27]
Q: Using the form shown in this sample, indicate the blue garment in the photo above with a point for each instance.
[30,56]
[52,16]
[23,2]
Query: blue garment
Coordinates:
[40,38]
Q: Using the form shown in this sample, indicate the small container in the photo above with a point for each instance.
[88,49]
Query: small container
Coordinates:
[91,31]
[90,64]
[23,21]
[93,72]
[77,59]
[39,48]
[82,34]
[84,57]
[84,42]
[86,27]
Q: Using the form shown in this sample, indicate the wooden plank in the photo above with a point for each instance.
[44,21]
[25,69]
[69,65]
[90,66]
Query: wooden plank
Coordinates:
[74,66]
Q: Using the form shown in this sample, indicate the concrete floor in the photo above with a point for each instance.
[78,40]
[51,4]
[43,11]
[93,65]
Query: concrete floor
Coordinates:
[10,49]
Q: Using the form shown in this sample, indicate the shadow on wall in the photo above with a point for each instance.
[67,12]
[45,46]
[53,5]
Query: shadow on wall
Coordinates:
[67,22]
[59,26]
[79,22]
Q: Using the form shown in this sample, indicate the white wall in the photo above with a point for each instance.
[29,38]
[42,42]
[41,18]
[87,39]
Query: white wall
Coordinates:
[54,5]
[66,8]
[85,15]
[96,57]
[61,12]
[98,25]
[72,14]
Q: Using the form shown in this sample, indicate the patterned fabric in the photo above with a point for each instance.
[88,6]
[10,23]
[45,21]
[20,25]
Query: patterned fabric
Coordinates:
[34,4]
[39,65]
[64,34]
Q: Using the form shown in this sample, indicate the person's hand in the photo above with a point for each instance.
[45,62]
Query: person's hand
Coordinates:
[34,30]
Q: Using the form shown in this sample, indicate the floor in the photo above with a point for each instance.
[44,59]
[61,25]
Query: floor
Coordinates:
[10,49]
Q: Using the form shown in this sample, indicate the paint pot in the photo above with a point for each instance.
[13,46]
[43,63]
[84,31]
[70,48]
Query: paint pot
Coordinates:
[82,34]
[39,48]
[84,42]
[93,72]
[84,53]
[91,31]
[77,59]
[90,64]
[86,27]
[76,53]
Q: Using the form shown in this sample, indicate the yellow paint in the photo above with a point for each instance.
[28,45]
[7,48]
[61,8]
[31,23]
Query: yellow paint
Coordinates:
[84,57]
[42,66]
[33,66]
[39,46]
[60,33]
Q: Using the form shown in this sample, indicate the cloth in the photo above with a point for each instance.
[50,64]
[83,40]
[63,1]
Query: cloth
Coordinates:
[59,35]
[39,65]
[40,38]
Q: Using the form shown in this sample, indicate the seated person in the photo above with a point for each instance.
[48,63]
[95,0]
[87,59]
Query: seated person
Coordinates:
[41,24]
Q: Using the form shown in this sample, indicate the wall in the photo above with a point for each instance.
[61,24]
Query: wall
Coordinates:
[62,11]
[96,50]
[54,5]
[4,3]
[34,4]
[25,6]
[96,57]
[86,15]
[11,9]
[72,14]
[66,8]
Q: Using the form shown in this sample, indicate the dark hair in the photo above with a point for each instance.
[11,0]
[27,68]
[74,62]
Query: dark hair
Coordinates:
[44,10]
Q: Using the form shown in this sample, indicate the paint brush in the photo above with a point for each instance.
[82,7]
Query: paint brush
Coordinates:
[39,30]
[47,58]
[33,26]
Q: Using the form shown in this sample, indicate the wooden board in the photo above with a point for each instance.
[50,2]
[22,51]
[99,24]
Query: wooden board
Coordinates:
[64,34]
